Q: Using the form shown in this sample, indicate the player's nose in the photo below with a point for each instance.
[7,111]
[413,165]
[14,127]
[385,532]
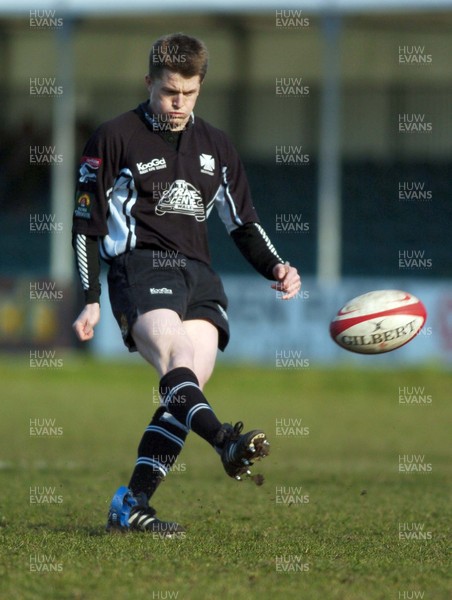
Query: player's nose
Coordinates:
[178,100]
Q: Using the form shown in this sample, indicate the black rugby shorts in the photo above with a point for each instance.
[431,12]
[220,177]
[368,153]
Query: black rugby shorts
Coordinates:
[143,280]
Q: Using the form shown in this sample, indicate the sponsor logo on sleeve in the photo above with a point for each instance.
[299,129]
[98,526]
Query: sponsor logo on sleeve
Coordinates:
[84,202]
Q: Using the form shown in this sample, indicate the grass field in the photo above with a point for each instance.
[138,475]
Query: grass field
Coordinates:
[335,518]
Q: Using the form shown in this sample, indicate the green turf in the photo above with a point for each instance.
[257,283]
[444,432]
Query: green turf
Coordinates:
[335,538]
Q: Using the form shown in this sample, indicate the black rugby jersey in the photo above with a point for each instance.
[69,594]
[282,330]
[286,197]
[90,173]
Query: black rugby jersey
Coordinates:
[137,189]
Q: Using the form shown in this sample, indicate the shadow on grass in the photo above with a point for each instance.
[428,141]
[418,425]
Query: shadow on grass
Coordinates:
[74,529]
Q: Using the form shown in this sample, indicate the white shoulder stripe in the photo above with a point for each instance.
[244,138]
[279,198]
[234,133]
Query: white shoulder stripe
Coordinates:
[225,205]
[121,223]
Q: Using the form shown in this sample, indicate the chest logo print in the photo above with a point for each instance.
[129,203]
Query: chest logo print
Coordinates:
[154,165]
[207,164]
[181,198]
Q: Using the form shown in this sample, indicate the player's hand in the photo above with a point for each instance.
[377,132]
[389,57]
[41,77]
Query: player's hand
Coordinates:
[288,281]
[86,321]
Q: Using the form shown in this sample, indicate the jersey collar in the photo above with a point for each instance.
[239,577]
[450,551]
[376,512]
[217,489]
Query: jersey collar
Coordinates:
[152,121]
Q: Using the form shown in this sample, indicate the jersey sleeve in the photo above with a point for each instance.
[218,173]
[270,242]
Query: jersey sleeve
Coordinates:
[95,177]
[255,245]
[88,265]
[235,208]
[233,199]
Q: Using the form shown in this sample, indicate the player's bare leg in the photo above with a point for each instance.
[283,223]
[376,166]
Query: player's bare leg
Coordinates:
[162,340]
[184,356]
[252,445]
[236,457]
[172,348]
[204,338]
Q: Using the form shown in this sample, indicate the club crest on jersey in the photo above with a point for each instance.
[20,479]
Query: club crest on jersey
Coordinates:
[154,165]
[182,198]
[88,169]
[207,164]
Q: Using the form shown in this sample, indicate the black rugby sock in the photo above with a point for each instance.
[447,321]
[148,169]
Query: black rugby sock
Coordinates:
[180,393]
[159,448]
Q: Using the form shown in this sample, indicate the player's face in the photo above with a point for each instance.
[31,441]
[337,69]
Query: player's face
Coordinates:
[173,97]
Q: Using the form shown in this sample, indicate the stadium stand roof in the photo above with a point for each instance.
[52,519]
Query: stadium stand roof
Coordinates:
[101,7]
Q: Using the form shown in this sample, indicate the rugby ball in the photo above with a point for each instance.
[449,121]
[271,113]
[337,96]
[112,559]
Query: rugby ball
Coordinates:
[378,321]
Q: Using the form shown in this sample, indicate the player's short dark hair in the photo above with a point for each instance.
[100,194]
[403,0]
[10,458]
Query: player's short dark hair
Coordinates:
[179,53]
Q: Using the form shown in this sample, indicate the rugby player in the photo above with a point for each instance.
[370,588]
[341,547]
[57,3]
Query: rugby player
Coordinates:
[147,182]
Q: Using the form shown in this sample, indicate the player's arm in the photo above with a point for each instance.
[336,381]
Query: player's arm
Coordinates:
[235,208]
[256,247]
[89,224]
[88,266]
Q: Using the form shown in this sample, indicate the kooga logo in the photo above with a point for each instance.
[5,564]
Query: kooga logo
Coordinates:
[153,165]
[163,290]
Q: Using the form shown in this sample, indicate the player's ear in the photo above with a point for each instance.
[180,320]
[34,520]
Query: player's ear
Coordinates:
[148,81]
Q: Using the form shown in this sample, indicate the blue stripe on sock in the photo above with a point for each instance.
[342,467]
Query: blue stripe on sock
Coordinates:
[166,433]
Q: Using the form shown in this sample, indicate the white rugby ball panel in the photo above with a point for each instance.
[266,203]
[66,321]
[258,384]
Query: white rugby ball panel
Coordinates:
[378,322]
[376,301]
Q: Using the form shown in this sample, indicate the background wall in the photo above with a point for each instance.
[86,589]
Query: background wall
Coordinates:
[395,185]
